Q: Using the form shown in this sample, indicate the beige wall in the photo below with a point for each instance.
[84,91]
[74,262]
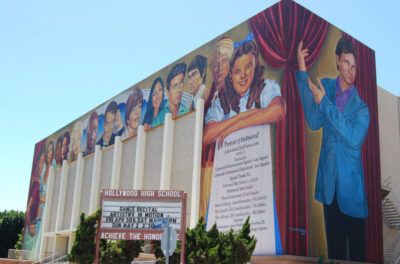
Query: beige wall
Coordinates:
[389,137]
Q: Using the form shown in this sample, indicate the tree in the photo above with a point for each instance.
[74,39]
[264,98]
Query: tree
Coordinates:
[212,246]
[120,251]
[11,223]
[204,246]
[18,245]
[240,246]
[84,247]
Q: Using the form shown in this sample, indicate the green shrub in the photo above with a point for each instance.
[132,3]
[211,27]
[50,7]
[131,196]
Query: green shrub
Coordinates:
[212,246]
[84,247]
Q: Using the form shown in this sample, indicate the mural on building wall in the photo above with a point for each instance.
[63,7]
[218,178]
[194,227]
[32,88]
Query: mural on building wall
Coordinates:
[298,154]
[243,101]
[121,116]
[43,160]
[321,159]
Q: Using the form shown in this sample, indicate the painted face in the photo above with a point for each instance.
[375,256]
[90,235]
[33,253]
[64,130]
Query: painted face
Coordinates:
[108,126]
[134,116]
[75,147]
[92,134]
[58,150]
[64,148]
[50,152]
[220,69]
[347,68]
[32,228]
[176,90]
[41,162]
[243,73]
[157,95]
[195,81]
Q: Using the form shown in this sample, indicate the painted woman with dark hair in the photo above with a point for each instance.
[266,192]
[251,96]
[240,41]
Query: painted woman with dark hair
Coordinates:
[248,99]
[44,163]
[50,162]
[247,102]
[133,111]
[34,208]
[91,133]
[155,103]
[58,151]
[65,146]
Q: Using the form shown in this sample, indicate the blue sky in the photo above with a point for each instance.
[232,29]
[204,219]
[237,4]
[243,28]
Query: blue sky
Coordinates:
[60,59]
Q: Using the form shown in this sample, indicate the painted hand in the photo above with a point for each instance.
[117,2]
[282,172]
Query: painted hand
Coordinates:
[301,54]
[317,92]
[232,128]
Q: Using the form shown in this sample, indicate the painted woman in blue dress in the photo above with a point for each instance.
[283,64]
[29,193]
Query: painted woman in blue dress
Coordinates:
[155,102]
[247,100]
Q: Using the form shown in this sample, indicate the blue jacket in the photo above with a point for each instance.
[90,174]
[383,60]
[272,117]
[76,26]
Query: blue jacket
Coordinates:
[340,165]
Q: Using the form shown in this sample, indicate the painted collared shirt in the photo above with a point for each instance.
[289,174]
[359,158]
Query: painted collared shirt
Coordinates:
[342,97]
[161,115]
[216,113]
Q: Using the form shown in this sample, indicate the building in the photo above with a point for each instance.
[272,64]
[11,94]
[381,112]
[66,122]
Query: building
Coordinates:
[243,86]
[389,124]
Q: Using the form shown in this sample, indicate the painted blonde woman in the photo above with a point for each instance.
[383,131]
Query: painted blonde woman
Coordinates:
[74,145]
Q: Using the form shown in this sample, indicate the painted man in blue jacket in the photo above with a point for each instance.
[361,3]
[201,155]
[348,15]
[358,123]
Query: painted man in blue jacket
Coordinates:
[336,107]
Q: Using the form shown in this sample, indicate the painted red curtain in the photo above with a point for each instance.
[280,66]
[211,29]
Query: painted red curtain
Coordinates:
[278,31]
[366,88]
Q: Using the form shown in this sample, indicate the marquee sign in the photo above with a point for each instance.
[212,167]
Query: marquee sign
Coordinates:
[133,214]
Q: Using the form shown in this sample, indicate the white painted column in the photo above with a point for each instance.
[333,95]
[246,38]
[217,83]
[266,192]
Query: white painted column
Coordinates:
[166,159]
[62,195]
[76,202]
[47,212]
[116,167]
[198,139]
[95,192]
[139,158]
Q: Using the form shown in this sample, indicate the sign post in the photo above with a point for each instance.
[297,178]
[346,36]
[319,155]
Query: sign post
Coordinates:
[138,215]
[168,241]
